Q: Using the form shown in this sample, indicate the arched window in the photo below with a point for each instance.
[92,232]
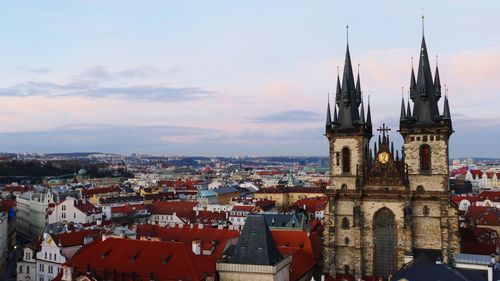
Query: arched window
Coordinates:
[346,241]
[425,157]
[346,160]
[345,223]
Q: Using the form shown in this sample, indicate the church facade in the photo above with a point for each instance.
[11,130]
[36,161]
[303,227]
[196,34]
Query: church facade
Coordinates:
[387,207]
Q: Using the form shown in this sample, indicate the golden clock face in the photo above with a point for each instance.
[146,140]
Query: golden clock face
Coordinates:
[383,157]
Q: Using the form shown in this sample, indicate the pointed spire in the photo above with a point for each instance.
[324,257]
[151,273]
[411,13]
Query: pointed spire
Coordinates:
[408,110]
[413,82]
[437,81]
[392,148]
[402,117]
[375,147]
[369,114]
[335,116]
[425,108]
[339,88]
[362,112]
[358,88]
[446,110]
[328,123]
[348,106]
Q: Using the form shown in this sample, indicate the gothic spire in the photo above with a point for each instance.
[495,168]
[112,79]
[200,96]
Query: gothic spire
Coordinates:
[403,113]
[358,89]
[413,83]
[335,116]
[408,110]
[446,110]
[425,108]
[328,124]
[369,114]
[437,82]
[348,105]
[339,88]
[362,113]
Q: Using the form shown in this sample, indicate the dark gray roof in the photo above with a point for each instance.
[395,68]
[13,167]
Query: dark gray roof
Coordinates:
[285,220]
[226,189]
[424,268]
[256,244]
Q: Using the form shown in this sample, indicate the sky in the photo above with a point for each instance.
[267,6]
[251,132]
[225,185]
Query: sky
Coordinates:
[232,78]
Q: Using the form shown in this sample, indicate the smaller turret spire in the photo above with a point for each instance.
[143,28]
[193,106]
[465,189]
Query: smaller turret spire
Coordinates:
[369,114]
[446,110]
[403,112]
[437,81]
[339,88]
[328,124]
[413,82]
[362,112]
[335,116]
[358,88]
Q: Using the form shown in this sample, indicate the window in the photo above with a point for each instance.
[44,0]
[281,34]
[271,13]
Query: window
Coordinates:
[345,223]
[50,256]
[74,215]
[346,160]
[40,279]
[20,269]
[45,255]
[425,157]
[41,268]
[346,241]
[63,207]
[50,269]
[28,269]
[63,215]
[426,210]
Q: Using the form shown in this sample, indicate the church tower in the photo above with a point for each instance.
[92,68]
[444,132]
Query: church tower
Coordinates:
[386,208]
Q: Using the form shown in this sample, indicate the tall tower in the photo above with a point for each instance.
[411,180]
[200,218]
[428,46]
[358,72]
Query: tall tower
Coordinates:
[425,131]
[348,136]
[349,132]
[384,210]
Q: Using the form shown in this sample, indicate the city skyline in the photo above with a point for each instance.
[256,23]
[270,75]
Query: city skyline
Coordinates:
[213,79]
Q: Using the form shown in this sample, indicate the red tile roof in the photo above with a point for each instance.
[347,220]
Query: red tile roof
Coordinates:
[71,239]
[128,208]
[312,204]
[458,198]
[188,234]
[86,207]
[164,260]
[460,171]
[493,196]
[171,207]
[100,190]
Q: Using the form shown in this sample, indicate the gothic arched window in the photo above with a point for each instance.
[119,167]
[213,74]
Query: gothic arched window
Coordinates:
[345,223]
[425,157]
[346,160]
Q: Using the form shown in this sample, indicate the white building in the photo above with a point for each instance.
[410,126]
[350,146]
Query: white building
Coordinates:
[26,268]
[56,249]
[31,211]
[76,211]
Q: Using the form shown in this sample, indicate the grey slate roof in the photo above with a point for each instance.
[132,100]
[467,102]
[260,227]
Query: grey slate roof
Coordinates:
[423,268]
[285,220]
[255,245]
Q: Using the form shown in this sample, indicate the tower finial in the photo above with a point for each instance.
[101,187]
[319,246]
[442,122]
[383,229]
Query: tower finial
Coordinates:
[445,91]
[423,17]
[411,62]
[437,60]
[347,32]
[402,91]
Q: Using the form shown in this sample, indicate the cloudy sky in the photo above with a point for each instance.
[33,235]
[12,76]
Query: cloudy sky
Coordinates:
[231,77]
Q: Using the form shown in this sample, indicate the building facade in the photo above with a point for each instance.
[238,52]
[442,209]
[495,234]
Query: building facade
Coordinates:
[31,211]
[387,207]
